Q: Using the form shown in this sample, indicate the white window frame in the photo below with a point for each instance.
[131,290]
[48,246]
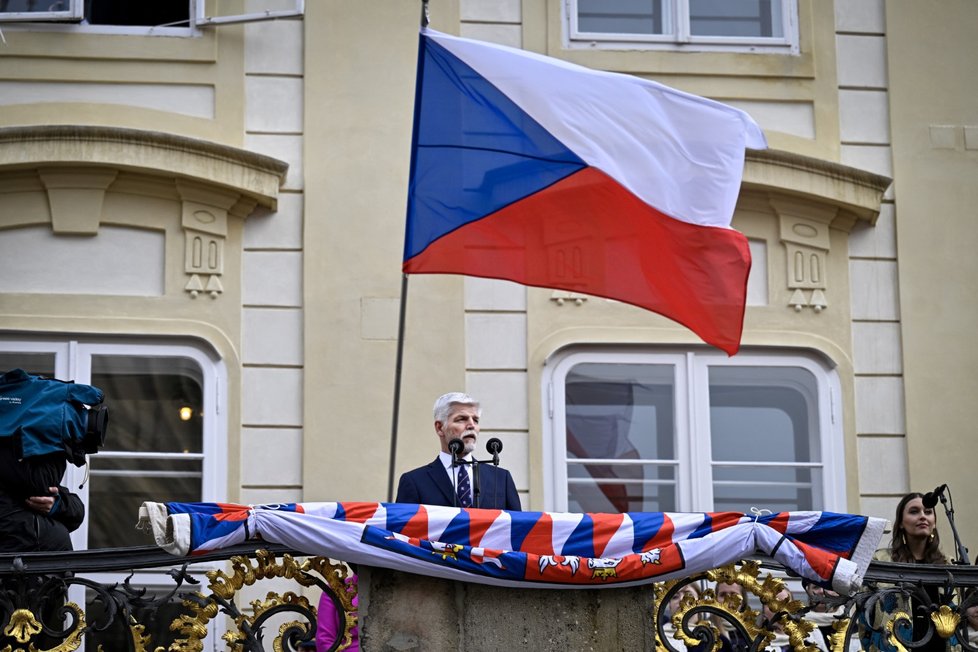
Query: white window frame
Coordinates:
[677,13]
[694,482]
[73,362]
[73,19]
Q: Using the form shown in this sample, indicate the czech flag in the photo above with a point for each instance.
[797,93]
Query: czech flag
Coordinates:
[542,172]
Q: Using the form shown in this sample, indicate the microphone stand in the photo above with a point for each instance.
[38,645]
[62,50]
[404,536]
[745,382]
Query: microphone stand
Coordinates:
[455,463]
[495,484]
[475,483]
[961,551]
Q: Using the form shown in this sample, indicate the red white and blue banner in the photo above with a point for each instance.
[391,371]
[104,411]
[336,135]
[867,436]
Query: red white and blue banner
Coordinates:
[530,549]
[546,173]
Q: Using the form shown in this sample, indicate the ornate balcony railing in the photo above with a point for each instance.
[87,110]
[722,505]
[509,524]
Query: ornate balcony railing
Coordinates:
[901,606]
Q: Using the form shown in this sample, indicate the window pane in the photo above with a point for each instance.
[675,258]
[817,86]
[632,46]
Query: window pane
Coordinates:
[13,6]
[606,488]
[780,488]
[758,18]
[625,413]
[155,406]
[764,415]
[114,503]
[620,16]
[127,12]
[37,364]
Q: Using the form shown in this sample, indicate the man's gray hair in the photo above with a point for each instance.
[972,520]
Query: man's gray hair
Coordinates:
[443,406]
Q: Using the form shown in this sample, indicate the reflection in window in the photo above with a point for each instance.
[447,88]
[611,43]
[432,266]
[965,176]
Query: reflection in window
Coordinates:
[620,16]
[764,438]
[154,450]
[36,364]
[621,452]
[745,18]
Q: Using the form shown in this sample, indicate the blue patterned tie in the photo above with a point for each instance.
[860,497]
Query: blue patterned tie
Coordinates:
[464,497]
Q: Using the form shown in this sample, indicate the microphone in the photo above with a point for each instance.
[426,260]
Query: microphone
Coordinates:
[494,446]
[931,497]
[455,447]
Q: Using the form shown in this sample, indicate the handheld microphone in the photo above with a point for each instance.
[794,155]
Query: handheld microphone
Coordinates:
[455,447]
[494,446]
[931,497]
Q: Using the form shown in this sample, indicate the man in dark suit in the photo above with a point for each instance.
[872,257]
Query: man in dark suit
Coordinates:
[442,483]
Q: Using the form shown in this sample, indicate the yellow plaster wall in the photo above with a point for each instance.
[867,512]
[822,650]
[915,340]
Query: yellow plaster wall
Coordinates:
[932,54]
[212,59]
[359,99]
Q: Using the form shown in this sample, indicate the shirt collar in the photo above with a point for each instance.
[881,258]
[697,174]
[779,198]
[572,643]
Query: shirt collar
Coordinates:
[446,459]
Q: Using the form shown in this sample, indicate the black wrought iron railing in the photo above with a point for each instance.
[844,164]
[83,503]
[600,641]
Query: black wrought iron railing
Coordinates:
[900,607]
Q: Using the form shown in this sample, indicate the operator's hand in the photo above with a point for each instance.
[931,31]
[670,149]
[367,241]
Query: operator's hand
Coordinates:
[42,504]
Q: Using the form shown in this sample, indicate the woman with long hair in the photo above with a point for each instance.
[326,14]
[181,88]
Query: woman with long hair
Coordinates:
[915,540]
[915,536]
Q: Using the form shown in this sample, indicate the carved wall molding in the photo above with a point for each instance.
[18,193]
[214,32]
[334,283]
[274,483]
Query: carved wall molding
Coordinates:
[804,230]
[75,165]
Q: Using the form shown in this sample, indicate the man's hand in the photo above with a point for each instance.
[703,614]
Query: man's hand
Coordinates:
[42,504]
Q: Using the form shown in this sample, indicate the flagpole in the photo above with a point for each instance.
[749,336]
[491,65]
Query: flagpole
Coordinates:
[397,387]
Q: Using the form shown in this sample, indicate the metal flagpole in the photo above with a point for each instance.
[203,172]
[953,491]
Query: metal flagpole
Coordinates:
[397,387]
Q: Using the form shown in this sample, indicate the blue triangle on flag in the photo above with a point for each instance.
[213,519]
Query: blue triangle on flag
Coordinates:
[475,150]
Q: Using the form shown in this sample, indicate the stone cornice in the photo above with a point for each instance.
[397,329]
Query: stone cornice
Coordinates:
[149,152]
[858,191]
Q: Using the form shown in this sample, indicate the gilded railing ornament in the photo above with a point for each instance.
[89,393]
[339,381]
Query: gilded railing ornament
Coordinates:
[703,620]
[248,627]
[40,611]
[35,616]
[23,626]
[945,621]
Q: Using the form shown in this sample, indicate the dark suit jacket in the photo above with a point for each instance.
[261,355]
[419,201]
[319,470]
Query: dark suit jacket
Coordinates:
[430,485]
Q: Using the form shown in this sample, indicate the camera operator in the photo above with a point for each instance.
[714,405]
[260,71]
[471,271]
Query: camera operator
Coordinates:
[36,513]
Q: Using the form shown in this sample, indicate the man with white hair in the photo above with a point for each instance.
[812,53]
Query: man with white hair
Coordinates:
[443,482]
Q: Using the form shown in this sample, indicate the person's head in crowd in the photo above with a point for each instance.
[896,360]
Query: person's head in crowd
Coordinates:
[692,590]
[457,417]
[726,591]
[915,536]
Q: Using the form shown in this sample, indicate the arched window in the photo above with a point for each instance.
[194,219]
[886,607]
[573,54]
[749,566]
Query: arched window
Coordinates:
[630,430]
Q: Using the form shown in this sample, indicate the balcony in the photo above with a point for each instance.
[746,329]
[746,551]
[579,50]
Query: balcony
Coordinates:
[404,611]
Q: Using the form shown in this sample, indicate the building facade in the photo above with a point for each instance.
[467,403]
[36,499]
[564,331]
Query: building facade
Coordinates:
[207,222]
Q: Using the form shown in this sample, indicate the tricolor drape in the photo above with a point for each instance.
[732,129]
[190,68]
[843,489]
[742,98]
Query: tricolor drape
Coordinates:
[535,549]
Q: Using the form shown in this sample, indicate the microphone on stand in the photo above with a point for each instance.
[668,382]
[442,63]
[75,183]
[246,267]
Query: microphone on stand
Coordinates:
[931,497]
[494,446]
[930,501]
[455,447]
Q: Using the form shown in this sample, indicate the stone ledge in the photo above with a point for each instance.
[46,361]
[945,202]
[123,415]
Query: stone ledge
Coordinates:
[150,152]
[858,191]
